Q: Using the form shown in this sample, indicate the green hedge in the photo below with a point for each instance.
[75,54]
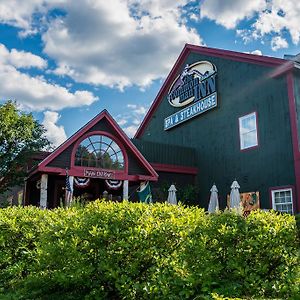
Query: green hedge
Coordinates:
[137,251]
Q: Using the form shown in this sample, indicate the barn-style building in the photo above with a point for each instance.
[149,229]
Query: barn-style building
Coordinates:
[240,113]
[220,116]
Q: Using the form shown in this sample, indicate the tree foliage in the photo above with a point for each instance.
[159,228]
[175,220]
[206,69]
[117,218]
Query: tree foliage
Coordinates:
[20,137]
[125,250]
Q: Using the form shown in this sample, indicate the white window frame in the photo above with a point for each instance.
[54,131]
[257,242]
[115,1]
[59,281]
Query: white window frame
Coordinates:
[242,141]
[282,190]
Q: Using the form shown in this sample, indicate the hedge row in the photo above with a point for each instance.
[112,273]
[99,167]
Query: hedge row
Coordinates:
[137,251]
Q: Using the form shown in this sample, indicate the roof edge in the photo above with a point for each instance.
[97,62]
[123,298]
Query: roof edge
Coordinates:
[124,139]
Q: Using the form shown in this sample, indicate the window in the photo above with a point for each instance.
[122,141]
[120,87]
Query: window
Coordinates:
[282,200]
[248,131]
[99,151]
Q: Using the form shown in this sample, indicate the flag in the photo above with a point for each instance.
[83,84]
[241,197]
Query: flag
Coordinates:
[144,192]
[68,189]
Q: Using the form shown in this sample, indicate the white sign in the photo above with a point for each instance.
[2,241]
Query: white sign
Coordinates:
[99,174]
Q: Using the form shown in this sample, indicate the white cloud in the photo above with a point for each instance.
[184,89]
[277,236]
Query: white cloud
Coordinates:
[21,59]
[282,15]
[229,13]
[279,17]
[19,13]
[133,106]
[122,122]
[34,93]
[256,52]
[194,17]
[29,15]
[118,43]
[55,133]
[130,130]
[137,109]
[136,121]
[132,118]
[278,43]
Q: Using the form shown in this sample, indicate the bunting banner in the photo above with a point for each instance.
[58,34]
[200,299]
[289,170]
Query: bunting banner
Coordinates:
[82,182]
[113,184]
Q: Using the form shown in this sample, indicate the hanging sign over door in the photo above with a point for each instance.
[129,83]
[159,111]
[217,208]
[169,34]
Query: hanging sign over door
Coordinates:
[98,174]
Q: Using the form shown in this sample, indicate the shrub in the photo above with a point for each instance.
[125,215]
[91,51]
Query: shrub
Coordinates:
[128,250]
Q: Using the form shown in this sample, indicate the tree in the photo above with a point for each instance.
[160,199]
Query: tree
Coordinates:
[20,137]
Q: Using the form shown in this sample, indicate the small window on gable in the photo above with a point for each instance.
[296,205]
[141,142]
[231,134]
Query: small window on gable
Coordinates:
[248,131]
[282,200]
[99,151]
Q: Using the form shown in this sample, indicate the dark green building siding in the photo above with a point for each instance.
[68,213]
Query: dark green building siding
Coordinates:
[169,154]
[242,88]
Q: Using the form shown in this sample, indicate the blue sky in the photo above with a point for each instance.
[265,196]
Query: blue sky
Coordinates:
[65,61]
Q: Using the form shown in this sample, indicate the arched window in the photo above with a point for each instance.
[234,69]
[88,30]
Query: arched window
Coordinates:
[99,151]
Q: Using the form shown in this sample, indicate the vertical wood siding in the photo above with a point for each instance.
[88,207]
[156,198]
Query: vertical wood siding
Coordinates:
[242,88]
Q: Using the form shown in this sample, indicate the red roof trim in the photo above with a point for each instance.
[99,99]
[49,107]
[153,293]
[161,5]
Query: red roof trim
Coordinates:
[295,139]
[119,175]
[237,56]
[232,55]
[175,169]
[282,69]
[121,135]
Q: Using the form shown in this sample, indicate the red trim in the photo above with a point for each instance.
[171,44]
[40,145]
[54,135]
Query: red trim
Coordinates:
[79,173]
[293,113]
[236,56]
[257,133]
[83,137]
[286,67]
[276,188]
[122,138]
[175,169]
[226,54]
[53,170]
[295,139]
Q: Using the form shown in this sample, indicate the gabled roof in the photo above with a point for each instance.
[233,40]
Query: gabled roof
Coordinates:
[284,66]
[120,135]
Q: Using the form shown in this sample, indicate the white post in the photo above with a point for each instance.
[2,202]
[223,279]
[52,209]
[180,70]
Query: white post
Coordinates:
[43,194]
[125,189]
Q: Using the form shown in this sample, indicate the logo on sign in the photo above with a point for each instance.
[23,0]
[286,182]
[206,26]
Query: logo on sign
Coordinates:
[196,85]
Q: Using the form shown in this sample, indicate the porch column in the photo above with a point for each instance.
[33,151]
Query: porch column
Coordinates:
[43,194]
[125,190]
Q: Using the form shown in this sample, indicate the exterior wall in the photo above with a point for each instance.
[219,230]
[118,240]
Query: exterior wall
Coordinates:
[167,154]
[242,88]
